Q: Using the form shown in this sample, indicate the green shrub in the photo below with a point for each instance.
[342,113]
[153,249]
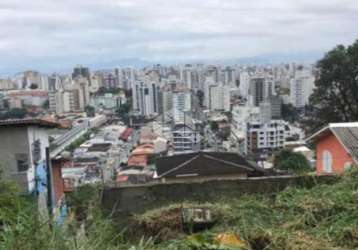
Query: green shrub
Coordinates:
[292,162]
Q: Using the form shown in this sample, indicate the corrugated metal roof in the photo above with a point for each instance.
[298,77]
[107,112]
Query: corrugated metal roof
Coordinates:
[345,132]
[205,164]
[348,136]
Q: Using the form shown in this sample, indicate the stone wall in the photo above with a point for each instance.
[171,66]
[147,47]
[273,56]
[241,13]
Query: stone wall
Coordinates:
[137,199]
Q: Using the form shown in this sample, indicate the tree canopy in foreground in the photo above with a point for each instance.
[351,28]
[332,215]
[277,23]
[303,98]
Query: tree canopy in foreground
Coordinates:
[335,97]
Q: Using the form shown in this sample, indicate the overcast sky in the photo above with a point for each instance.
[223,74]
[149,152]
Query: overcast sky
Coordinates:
[60,33]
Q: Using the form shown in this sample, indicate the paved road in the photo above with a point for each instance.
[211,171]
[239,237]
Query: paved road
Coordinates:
[66,139]
[68,135]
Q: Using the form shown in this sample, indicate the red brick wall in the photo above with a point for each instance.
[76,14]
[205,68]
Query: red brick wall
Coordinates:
[339,154]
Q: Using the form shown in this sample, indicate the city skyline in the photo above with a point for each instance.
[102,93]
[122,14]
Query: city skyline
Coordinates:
[54,36]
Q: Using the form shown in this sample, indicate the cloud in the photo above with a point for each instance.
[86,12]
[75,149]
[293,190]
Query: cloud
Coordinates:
[47,33]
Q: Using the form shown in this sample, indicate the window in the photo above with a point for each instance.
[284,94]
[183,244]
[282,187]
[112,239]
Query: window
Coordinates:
[327,161]
[22,161]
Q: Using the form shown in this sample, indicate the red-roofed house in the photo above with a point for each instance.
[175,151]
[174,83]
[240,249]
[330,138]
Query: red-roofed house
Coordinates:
[144,149]
[126,133]
[336,147]
[138,160]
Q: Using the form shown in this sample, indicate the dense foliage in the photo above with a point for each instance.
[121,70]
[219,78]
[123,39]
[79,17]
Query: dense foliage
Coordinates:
[124,109]
[90,111]
[214,126]
[104,90]
[335,98]
[22,227]
[15,113]
[290,113]
[291,162]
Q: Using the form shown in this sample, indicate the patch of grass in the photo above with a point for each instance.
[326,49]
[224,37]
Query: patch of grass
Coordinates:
[320,217]
[324,216]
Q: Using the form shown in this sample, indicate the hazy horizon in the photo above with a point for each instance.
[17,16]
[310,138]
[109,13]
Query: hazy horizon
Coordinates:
[53,36]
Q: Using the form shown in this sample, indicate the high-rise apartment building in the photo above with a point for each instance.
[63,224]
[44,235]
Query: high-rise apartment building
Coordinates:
[110,81]
[181,104]
[79,70]
[6,84]
[145,98]
[188,76]
[261,89]
[219,97]
[82,94]
[229,75]
[301,89]
[244,84]
[96,82]
[62,101]
[276,107]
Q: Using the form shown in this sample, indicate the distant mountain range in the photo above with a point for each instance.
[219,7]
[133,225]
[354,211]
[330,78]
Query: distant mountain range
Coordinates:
[306,57]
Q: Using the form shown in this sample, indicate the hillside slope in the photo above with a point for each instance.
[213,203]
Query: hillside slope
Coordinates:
[323,217]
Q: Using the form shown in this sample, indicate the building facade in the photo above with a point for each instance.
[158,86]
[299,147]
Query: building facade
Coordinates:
[301,89]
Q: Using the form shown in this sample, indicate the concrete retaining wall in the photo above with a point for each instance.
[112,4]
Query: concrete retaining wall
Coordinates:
[137,199]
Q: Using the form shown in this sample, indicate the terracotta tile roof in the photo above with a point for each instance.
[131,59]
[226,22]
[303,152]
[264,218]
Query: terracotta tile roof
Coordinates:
[138,160]
[126,133]
[32,93]
[144,149]
[122,178]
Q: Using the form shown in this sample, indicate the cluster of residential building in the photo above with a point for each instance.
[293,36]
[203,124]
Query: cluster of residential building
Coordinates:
[180,101]
[187,123]
[60,94]
[116,155]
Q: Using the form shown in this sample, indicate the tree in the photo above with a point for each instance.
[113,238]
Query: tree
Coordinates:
[90,111]
[289,113]
[14,113]
[101,90]
[335,98]
[46,104]
[291,161]
[124,108]
[214,126]
[34,86]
